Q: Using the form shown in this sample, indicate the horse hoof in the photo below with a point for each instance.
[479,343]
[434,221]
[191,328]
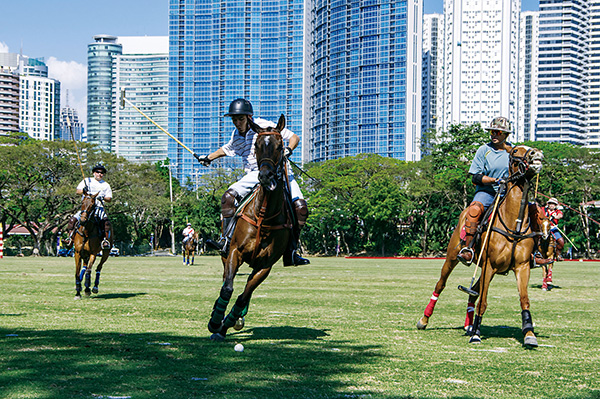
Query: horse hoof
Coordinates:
[475,339]
[531,341]
[77,297]
[214,328]
[95,290]
[239,324]
[88,293]
[468,329]
[217,337]
[421,325]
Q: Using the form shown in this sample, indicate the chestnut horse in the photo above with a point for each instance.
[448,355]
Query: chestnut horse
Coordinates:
[548,251]
[87,244]
[509,246]
[189,249]
[262,232]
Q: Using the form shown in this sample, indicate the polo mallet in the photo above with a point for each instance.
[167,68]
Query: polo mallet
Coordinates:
[564,235]
[470,290]
[126,100]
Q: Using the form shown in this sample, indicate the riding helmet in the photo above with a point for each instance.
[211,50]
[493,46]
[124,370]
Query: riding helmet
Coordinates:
[500,123]
[240,106]
[99,167]
[552,201]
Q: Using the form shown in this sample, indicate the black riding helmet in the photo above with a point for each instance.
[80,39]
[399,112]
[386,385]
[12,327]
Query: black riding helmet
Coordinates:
[240,107]
[99,167]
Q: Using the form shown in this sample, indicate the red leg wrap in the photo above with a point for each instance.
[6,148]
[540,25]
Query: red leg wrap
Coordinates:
[431,304]
[470,314]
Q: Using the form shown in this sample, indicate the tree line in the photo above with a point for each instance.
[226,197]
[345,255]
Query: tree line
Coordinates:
[366,204]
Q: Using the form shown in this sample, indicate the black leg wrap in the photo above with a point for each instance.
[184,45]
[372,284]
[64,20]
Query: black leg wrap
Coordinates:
[476,330]
[527,321]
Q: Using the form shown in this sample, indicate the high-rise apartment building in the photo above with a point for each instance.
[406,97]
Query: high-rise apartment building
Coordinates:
[480,60]
[100,90]
[220,51]
[563,71]
[142,71]
[527,103]
[432,102]
[363,78]
[71,128]
[9,101]
[593,100]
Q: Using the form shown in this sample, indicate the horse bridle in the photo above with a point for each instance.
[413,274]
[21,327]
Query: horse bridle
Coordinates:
[523,164]
[86,212]
[277,166]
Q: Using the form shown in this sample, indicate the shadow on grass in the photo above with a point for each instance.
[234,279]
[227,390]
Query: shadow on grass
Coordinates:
[71,363]
[550,286]
[118,296]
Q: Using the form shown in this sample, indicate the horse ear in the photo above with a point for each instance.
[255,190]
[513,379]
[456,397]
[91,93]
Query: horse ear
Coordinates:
[254,126]
[281,123]
[95,195]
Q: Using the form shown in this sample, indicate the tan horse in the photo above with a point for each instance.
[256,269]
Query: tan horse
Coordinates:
[509,246]
[87,244]
[262,232]
[189,249]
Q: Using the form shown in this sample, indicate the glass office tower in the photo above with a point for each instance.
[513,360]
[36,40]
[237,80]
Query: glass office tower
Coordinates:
[363,78]
[223,50]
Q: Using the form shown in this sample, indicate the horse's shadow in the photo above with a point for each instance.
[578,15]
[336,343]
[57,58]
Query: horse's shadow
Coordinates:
[550,286]
[119,296]
[501,331]
[283,332]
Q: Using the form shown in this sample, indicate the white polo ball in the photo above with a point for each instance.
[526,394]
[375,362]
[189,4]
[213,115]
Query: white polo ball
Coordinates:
[238,348]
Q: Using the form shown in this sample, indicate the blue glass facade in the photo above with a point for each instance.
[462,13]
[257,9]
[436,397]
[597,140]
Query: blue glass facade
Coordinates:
[221,50]
[364,76]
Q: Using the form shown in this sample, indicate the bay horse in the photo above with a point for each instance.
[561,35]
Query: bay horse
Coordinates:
[87,244]
[509,246]
[189,249]
[261,234]
[548,251]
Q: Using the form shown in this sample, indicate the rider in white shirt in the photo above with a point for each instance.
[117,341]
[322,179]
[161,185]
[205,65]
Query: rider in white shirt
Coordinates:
[188,233]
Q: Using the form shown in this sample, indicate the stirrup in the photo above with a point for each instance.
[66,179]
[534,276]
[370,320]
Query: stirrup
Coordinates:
[463,260]
[221,245]
[105,243]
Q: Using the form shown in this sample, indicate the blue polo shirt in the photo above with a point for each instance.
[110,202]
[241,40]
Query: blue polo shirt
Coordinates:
[490,162]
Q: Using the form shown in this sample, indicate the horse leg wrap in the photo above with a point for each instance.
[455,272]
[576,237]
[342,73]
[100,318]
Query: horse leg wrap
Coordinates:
[470,314]
[221,306]
[431,304]
[82,273]
[97,280]
[476,326]
[236,312]
[88,280]
[527,321]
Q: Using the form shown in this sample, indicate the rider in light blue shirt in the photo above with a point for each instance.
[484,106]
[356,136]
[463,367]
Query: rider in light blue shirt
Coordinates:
[488,169]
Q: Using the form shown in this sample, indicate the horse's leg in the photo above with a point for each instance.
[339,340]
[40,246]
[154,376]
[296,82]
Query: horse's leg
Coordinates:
[449,265]
[78,261]
[193,253]
[99,269]
[88,274]
[484,284]
[230,267]
[240,308]
[522,275]
[545,278]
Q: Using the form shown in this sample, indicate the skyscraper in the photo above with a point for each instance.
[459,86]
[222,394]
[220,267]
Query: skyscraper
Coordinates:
[223,50]
[142,71]
[564,52]
[528,76]
[363,78]
[432,103]
[480,60]
[100,90]
[76,131]
[9,101]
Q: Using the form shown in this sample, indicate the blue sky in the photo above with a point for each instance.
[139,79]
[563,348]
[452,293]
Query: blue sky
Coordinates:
[60,30]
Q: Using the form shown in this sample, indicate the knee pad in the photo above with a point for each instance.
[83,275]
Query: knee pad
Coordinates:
[228,202]
[474,213]
[301,209]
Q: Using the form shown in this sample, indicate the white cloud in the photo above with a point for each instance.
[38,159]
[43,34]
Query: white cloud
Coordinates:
[72,77]
[3,47]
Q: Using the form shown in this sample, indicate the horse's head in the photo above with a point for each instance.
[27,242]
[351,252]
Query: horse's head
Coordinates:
[545,227]
[525,162]
[87,206]
[268,149]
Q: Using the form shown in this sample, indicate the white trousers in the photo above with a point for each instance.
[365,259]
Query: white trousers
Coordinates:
[247,183]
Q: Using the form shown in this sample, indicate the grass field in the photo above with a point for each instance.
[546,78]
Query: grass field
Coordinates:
[338,328]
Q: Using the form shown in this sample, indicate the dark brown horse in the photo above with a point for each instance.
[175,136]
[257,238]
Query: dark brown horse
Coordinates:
[189,249]
[87,244]
[509,246]
[261,234]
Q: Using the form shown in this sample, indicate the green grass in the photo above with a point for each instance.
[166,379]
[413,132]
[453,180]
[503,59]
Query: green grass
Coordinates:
[338,328]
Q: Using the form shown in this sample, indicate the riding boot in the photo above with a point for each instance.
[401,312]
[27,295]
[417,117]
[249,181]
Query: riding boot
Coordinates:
[474,213]
[291,256]
[560,244]
[228,207]
[68,242]
[106,227]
